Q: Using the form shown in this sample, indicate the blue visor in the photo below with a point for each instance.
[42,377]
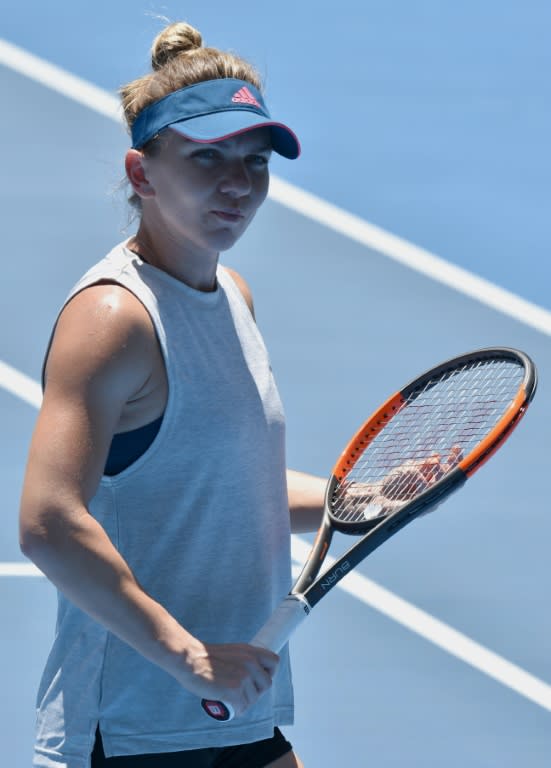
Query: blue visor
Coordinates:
[210,111]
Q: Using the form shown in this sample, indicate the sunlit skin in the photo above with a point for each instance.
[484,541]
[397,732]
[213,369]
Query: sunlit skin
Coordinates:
[198,199]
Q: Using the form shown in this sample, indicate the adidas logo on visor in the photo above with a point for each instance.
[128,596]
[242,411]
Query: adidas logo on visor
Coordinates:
[244,96]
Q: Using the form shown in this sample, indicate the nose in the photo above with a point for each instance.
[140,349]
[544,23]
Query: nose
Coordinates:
[236,179]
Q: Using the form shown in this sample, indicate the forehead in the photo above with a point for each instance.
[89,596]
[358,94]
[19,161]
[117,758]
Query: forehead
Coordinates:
[255,139]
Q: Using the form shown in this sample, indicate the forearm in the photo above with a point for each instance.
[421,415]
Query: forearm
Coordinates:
[79,558]
[76,554]
[306,495]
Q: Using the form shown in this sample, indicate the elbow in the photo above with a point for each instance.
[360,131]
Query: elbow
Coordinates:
[34,531]
[31,540]
[31,531]
[38,544]
[46,530]
[47,520]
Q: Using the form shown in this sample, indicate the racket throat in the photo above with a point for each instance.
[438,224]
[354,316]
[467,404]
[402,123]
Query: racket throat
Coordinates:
[316,557]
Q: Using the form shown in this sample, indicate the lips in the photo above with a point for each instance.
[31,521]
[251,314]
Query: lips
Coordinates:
[229,216]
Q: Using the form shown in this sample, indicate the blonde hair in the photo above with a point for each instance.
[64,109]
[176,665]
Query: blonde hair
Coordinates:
[178,59]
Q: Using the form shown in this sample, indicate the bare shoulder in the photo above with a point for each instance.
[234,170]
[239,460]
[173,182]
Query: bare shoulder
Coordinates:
[100,379]
[243,287]
[111,299]
[103,328]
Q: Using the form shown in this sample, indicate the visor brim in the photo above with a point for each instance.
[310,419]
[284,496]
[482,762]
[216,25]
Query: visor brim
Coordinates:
[219,126]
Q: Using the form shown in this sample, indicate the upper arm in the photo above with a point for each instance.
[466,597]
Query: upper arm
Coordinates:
[100,358]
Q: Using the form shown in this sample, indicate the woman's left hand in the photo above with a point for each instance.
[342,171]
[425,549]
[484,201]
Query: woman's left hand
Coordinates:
[402,484]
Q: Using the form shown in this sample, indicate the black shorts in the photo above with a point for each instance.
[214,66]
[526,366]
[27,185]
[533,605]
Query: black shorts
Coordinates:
[255,755]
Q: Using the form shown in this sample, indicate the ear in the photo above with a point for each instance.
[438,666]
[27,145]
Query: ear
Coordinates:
[134,164]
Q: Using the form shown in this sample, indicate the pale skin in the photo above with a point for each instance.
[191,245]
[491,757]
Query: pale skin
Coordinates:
[105,374]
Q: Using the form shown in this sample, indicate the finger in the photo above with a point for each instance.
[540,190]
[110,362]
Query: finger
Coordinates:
[252,689]
[431,468]
[455,455]
[361,492]
[262,681]
[403,483]
[267,660]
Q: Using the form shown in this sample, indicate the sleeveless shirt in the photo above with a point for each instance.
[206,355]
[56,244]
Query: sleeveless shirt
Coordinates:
[202,520]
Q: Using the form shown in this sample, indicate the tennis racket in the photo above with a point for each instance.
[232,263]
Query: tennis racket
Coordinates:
[414,451]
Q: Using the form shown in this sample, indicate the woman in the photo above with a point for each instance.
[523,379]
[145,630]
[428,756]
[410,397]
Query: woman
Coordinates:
[156,497]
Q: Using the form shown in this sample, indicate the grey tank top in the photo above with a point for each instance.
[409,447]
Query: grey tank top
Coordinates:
[201,518]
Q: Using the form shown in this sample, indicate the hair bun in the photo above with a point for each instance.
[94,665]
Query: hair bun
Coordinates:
[175,39]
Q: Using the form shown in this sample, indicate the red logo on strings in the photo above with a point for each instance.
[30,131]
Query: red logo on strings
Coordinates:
[244,96]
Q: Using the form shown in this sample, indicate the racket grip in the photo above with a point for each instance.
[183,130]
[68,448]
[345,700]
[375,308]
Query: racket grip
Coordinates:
[282,623]
[273,635]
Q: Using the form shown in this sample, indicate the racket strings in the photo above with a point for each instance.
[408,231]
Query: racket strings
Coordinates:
[440,423]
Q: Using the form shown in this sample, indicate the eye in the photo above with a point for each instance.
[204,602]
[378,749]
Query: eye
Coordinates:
[259,161]
[207,155]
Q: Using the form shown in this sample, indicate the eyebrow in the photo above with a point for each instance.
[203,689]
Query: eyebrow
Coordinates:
[264,147]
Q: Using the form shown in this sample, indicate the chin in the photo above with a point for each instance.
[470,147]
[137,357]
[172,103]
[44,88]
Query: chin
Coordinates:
[223,241]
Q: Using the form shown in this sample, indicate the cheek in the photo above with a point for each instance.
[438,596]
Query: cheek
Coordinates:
[261,188]
[179,192]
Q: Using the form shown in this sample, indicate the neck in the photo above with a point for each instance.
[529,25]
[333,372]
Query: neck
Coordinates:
[190,265]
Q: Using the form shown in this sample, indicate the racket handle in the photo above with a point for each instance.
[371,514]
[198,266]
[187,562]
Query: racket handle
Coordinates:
[273,636]
[282,623]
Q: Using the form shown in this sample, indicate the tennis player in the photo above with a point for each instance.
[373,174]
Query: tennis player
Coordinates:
[156,496]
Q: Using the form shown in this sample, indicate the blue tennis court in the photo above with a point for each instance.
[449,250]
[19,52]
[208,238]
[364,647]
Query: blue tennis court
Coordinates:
[413,228]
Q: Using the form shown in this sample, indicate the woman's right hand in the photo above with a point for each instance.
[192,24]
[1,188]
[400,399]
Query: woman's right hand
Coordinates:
[235,673]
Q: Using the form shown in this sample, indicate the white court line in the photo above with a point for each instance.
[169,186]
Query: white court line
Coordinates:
[51,76]
[383,242]
[305,203]
[437,632]
[20,385]
[19,570]
[412,256]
